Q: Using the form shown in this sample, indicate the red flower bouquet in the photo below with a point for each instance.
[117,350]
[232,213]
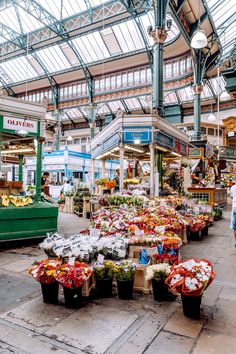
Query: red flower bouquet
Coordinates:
[45,271]
[191,277]
[73,276]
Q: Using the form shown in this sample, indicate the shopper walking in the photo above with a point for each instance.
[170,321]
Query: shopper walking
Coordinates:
[233,215]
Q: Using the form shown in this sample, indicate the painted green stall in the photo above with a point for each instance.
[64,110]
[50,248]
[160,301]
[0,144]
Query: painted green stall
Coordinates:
[39,218]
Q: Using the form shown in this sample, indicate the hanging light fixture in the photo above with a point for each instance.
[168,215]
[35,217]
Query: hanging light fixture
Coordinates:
[199,39]
[225,96]
[211,117]
[69,138]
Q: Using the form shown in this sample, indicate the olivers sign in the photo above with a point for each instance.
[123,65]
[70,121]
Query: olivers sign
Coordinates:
[15,124]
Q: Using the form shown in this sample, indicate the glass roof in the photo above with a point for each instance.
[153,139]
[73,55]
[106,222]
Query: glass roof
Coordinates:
[224,17]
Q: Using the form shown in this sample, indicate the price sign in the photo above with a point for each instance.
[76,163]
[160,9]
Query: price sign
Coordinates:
[160,228]
[151,251]
[94,233]
[100,258]
[72,261]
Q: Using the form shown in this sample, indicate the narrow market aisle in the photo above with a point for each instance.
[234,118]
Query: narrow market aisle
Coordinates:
[113,326]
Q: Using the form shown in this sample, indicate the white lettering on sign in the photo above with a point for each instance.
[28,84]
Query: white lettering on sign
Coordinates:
[20,124]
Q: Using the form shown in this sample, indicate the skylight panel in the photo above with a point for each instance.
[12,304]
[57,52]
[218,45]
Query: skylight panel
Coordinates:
[20,69]
[29,23]
[132,103]
[53,7]
[110,41]
[53,58]
[9,18]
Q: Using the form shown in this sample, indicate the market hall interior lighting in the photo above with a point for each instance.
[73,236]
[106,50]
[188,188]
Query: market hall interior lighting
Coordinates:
[225,96]
[22,132]
[134,149]
[69,138]
[17,151]
[199,39]
[211,117]
[175,153]
[137,141]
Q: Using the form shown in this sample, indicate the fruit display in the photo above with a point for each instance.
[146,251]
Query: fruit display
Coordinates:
[17,201]
[118,199]
[131,181]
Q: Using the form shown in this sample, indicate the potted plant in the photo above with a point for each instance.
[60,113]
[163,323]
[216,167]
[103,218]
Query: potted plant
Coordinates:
[125,273]
[104,273]
[45,273]
[158,273]
[190,279]
[72,278]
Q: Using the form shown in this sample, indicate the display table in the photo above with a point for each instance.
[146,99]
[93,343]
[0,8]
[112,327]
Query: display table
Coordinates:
[209,195]
[31,221]
[8,188]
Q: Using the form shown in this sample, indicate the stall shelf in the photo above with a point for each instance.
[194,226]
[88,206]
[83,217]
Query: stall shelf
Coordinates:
[20,129]
[209,195]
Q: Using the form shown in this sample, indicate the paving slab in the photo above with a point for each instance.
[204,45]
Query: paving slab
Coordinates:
[21,265]
[36,315]
[6,258]
[211,342]
[228,293]
[15,288]
[27,343]
[224,318]
[93,328]
[179,324]
[211,295]
[169,343]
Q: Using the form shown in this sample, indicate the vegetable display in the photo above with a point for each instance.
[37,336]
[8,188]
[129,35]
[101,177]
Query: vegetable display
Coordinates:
[17,201]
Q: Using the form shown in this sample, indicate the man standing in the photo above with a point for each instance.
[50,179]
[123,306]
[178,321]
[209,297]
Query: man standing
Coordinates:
[233,216]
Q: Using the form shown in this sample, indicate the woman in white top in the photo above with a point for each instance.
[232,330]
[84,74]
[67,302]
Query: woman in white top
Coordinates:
[233,216]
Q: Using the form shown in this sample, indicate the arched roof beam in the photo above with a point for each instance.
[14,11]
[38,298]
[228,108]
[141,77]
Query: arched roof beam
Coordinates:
[41,14]
[131,8]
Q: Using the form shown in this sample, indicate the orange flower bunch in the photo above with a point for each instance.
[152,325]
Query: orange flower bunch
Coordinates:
[110,184]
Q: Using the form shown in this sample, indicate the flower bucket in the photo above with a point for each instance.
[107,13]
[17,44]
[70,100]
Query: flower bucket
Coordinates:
[191,306]
[50,292]
[104,287]
[194,235]
[160,290]
[204,231]
[72,297]
[125,289]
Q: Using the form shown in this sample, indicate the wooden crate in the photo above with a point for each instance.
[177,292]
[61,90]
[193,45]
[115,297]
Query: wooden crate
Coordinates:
[68,207]
[140,282]
[88,287]
[86,208]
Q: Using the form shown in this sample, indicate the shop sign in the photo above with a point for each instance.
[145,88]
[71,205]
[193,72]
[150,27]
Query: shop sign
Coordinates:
[165,141]
[196,153]
[143,137]
[111,142]
[11,123]
[227,153]
[183,149]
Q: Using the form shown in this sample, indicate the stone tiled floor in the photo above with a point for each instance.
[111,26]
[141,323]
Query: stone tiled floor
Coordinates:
[114,326]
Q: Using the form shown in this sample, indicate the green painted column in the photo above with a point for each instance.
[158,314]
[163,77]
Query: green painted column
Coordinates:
[58,131]
[21,158]
[198,68]
[197,111]
[39,169]
[159,164]
[159,35]
[92,118]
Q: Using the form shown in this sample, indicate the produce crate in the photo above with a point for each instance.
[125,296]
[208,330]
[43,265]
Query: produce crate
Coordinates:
[135,250]
[68,207]
[86,208]
[140,282]
[88,287]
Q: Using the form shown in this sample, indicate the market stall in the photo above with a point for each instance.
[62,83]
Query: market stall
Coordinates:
[23,216]
[139,138]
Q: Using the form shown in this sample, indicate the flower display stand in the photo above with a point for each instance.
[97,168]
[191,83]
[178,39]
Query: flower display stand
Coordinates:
[88,287]
[135,250]
[68,207]
[140,282]
[86,207]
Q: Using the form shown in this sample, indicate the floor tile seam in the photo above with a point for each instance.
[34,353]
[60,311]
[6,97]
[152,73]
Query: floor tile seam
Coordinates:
[43,337]
[12,348]
[23,272]
[161,329]
[29,297]
[143,317]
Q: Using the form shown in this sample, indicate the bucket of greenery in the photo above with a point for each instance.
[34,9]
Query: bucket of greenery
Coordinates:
[125,273]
